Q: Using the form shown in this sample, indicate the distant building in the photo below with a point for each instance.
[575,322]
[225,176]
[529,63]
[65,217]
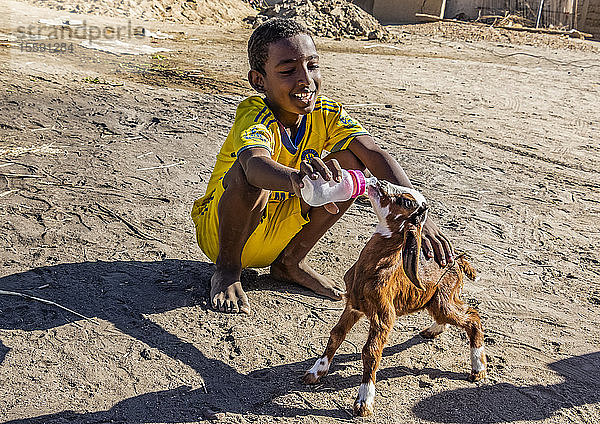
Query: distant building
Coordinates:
[583,15]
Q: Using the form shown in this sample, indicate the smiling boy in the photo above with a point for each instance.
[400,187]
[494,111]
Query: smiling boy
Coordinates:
[252,214]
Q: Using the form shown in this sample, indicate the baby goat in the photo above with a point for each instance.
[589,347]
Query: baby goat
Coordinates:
[387,281]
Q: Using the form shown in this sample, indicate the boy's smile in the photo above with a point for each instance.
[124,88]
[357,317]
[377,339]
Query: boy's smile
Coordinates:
[292,78]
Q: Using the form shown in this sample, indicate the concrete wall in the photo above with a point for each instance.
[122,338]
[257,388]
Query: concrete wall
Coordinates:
[468,8]
[403,11]
[588,17]
[366,5]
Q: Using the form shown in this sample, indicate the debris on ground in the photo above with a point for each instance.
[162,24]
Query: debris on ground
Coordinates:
[511,22]
[327,18]
[119,47]
[64,21]
[459,32]
[158,34]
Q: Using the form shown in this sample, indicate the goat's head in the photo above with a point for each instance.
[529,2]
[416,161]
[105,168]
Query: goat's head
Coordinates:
[401,210]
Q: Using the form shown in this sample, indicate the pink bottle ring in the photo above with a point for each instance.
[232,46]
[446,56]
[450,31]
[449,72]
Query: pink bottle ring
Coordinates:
[359,182]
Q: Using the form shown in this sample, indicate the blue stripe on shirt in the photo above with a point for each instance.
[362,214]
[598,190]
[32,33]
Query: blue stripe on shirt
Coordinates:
[268,115]
[260,113]
[328,103]
[249,146]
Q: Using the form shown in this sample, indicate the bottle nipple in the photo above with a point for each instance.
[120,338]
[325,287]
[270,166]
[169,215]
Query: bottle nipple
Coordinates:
[360,182]
[371,181]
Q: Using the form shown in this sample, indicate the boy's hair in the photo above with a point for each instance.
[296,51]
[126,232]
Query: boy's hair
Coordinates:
[269,32]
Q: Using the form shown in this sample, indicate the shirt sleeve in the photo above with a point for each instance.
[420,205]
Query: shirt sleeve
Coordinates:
[341,127]
[252,123]
[256,135]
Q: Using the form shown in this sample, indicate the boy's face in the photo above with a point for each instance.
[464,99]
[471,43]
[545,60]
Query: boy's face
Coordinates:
[292,77]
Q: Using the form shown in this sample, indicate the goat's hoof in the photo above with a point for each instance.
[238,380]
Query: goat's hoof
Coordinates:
[428,334]
[362,408]
[311,378]
[477,375]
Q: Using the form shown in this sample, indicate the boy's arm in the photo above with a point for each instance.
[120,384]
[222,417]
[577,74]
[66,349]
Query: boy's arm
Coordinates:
[383,166]
[263,172]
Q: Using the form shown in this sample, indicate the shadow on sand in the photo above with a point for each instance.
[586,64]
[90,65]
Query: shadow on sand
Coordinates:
[122,292]
[507,402]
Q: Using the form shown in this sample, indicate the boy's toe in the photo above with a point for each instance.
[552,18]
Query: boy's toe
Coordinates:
[229,298]
[232,305]
[244,303]
[216,302]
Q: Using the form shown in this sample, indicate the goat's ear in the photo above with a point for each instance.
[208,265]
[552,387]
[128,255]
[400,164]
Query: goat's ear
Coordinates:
[411,252]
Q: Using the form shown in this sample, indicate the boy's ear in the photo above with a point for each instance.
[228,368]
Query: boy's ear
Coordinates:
[256,80]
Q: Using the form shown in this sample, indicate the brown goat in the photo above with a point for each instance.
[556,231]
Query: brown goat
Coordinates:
[387,281]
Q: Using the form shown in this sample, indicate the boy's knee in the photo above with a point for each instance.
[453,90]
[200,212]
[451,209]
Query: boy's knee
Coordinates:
[346,159]
[235,182]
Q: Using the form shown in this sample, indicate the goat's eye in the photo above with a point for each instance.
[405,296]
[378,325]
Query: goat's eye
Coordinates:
[402,201]
[405,203]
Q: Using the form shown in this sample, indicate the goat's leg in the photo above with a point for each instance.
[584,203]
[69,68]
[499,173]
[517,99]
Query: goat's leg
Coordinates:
[474,330]
[432,332]
[381,325]
[338,334]
[455,312]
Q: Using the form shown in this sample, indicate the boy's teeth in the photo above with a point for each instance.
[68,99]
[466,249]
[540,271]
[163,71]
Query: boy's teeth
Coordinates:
[303,96]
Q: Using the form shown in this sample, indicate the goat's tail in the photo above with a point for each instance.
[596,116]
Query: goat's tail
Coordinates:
[467,269]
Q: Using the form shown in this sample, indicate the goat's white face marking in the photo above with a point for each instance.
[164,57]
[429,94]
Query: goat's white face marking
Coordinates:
[478,359]
[382,226]
[320,367]
[382,213]
[366,393]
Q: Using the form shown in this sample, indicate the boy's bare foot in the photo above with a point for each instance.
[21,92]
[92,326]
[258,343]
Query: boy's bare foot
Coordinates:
[301,273]
[226,293]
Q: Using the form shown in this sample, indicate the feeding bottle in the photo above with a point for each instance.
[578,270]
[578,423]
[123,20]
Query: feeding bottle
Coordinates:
[319,192]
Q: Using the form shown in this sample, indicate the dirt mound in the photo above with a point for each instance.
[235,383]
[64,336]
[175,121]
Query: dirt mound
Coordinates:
[182,11]
[327,18]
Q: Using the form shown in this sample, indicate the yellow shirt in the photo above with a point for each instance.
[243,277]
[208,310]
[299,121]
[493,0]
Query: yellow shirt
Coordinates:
[327,127]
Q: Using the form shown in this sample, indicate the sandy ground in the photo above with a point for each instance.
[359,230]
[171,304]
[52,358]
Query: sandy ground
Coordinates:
[102,155]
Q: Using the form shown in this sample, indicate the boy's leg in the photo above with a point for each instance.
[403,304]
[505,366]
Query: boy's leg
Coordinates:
[240,208]
[291,264]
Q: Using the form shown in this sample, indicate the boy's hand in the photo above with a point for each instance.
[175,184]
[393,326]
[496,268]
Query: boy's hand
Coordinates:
[314,168]
[435,244]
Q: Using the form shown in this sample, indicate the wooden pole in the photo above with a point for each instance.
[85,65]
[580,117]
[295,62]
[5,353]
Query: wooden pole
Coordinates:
[537,23]
[443,9]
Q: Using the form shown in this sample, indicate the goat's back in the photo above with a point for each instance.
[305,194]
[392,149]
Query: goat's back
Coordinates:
[377,280]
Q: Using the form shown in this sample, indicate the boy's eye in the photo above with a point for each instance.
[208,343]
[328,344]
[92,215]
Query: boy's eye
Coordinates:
[313,66]
[287,72]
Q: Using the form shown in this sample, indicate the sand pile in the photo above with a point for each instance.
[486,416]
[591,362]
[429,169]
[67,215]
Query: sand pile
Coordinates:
[328,18]
[181,11]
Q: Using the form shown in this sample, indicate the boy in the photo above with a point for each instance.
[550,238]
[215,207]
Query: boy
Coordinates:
[252,214]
